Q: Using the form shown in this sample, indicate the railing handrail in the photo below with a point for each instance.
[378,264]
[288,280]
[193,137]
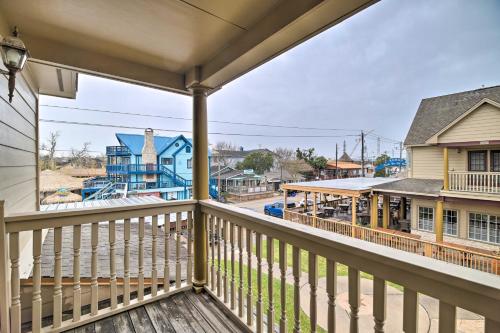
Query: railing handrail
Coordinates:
[52,219]
[469,289]
[423,241]
[474,172]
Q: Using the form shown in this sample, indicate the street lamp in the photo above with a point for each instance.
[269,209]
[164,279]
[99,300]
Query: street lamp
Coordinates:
[14,56]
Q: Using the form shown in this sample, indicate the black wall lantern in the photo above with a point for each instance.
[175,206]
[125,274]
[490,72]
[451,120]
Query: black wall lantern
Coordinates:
[14,56]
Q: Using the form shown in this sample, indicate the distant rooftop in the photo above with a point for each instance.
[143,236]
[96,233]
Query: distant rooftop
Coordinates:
[436,113]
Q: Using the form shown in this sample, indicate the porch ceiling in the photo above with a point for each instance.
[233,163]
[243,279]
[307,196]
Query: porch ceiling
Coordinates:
[169,44]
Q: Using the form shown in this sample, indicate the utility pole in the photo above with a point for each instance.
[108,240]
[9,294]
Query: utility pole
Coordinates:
[336,160]
[378,146]
[344,147]
[362,153]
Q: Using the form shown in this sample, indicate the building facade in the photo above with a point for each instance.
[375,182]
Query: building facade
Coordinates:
[151,165]
[453,150]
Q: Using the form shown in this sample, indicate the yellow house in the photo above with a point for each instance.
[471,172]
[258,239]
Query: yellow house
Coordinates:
[453,149]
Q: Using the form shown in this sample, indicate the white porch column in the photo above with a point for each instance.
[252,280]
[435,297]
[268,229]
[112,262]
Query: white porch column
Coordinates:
[200,183]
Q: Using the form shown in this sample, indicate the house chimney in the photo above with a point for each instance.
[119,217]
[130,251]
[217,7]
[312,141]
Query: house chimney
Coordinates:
[149,153]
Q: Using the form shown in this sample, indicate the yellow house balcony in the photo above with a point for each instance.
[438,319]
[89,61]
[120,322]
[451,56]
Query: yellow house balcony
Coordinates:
[478,182]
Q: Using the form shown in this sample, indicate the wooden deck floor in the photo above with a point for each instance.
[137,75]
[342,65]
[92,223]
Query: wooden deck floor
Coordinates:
[182,312]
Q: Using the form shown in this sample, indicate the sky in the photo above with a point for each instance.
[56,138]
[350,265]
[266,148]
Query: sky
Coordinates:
[367,73]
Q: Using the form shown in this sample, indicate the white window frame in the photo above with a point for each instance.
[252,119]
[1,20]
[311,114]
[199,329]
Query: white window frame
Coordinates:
[445,224]
[484,237]
[422,225]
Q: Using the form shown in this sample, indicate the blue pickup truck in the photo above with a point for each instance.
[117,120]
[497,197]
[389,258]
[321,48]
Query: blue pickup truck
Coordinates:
[276,209]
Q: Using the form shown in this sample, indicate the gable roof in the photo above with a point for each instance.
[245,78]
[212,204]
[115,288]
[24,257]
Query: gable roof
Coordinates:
[135,142]
[345,158]
[436,113]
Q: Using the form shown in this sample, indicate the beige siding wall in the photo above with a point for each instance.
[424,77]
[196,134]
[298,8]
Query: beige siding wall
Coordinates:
[457,159]
[427,162]
[18,147]
[463,221]
[482,124]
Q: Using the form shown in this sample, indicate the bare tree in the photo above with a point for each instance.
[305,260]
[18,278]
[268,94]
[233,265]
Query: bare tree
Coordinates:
[219,151]
[286,159]
[81,158]
[50,147]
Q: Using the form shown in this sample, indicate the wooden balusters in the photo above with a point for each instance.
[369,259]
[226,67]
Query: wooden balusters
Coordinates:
[270,281]
[166,265]
[219,272]
[57,295]
[140,290]
[77,291]
[94,287]
[258,251]
[190,248]
[154,266]
[410,311]
[331,290]
[447,318]
[313,284]
[224,280]
[283,267]
[240,271]
[126,262]
[379,304]
[15,286]
[249,278]
[354,298]
[178,250]
[232,283]
[112,264]
[212,239]
[36,306]
[297,271]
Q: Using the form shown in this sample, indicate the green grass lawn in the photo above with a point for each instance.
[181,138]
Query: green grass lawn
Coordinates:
[341,269]
[304,319]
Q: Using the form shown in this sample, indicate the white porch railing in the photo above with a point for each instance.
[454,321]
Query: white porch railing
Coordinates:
[245,234]
[481,182]
[236,236]
[147,289]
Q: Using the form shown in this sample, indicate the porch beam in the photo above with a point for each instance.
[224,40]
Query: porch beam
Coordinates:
[439,221]
[52,53]
[289,24]
[386,211]
[200,183]
[374,211]
[446,182]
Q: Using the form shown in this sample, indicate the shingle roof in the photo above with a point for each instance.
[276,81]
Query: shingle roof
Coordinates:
[412,185]
[436,113]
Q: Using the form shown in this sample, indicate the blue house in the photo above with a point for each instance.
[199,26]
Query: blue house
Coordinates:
[147,165]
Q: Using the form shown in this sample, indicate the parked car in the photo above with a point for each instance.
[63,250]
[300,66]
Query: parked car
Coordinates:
[276,209]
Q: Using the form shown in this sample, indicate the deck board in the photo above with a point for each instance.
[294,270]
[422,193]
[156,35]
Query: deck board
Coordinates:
[184,312]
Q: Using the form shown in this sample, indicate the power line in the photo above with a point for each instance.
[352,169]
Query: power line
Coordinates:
[185,131]
[210,121]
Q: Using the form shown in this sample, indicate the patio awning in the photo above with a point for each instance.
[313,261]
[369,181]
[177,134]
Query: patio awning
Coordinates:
[347,186]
